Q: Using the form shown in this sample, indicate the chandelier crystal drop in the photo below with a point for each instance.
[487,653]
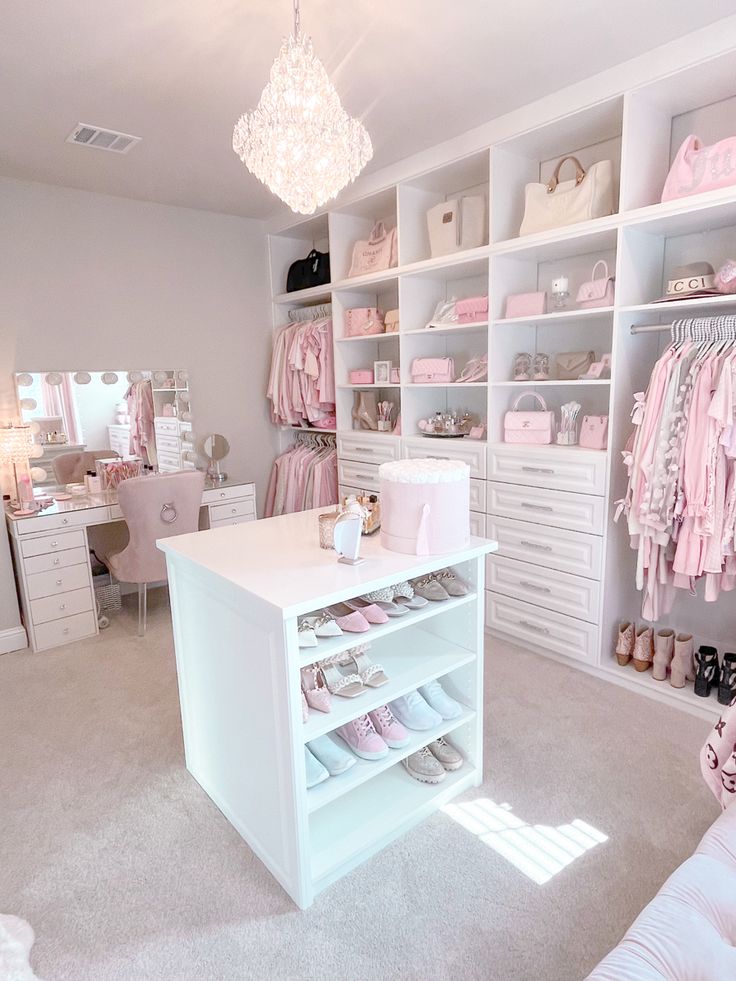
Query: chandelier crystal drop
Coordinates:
[299,141]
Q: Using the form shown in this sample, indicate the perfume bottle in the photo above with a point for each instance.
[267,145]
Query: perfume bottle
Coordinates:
[560,292]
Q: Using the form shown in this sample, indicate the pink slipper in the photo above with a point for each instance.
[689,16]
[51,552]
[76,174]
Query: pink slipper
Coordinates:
[372,613]
[351,621]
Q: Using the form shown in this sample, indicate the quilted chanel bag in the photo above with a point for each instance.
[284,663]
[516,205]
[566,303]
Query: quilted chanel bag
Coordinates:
[312,271]
[572,364]
[555,204]
[698,168]
[596,292]
[457,224]
[381,251]
[432,371]
[529,427]
[472,310]
[362,321]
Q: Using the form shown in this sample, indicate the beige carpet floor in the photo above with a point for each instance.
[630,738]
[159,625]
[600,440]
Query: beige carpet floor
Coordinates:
[128,872]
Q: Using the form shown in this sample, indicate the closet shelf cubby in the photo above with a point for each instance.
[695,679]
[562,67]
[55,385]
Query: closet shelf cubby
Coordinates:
[446,329]
[555,317]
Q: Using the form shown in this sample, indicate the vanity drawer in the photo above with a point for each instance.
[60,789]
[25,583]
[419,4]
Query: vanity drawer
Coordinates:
[166,426]
[477,494]
[58,632]
[61,581]
[52,543]
[234,509]
[565,468]
[477,524]
[554,548]
[167,444]
[545,629]
[221,523]
[56,607]
[52,560]
[472,452]
[551,589]
[560,509]
[363,475]
[68,519]
[212,495]
[372,448]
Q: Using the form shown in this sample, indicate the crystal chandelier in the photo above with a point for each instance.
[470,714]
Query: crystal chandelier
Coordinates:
[299,141]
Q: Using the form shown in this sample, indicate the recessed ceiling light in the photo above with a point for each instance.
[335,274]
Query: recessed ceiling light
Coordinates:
[102,139]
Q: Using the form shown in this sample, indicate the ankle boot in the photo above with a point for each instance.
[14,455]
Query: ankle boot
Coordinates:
[727,683]
[707,674]
[355,411]
[625,642]
[664,649]
[368,410]
[682,668]
[643,648]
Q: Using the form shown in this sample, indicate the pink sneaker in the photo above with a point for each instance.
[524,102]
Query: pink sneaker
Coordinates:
[363,739]
[389,728]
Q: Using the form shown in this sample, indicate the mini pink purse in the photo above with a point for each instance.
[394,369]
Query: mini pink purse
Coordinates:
[596,292]
[525,305]
[472,310]
[362,321]
[381,251]
[529,427]
[432,371]
[697,168]
[361,376]
[594,432]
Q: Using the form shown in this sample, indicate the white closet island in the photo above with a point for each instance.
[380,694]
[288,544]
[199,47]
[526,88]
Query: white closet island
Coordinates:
[236,594]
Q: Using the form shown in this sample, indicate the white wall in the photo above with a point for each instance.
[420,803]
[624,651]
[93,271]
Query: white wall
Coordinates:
[96,282]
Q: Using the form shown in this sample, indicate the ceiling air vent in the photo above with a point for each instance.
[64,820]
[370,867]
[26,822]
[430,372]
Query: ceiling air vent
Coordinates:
[102,139]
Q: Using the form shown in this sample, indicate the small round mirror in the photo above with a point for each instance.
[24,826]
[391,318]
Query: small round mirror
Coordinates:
[215,447]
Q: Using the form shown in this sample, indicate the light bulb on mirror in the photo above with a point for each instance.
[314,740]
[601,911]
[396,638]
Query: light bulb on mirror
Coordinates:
[38,474]
[54,378]
[24,379]
[109,378]
[35,452]
[82,378]
[29,404]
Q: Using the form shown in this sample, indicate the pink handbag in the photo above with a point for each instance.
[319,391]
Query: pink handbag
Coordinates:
[432,371]
[529,427]
[594,432]
[361,376]
[596,292]
[361,321]
[525,305]
[472,310]
[381,251]
[697,168]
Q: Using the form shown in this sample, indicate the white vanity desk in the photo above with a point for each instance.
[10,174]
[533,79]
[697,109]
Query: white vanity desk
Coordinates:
[52,562]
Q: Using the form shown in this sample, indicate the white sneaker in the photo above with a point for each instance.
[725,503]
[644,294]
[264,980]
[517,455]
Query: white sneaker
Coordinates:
[414,713]
[437,697]
[316,773]
[333,758]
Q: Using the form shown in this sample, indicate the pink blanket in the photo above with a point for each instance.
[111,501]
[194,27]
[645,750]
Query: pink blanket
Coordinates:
[718,757]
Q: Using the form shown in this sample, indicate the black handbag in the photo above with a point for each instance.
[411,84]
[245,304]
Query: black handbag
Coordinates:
[312,271]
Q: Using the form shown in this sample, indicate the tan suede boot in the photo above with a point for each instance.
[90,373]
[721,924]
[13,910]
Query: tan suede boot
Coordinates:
[664,649]
[625,642]
[683,665]
[643,648]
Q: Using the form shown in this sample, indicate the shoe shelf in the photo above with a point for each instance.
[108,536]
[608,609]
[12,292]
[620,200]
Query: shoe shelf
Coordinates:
[553,382]
[556,316]
[330,646]
[438,385]
[420,657]
[364,770]
[629,677]
[446,329]
[361,823]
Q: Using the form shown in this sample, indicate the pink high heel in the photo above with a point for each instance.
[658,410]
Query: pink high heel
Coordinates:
[371,611]
[314,689]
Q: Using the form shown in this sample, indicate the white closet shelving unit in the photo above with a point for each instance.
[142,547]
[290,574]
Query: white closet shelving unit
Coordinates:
[564,574]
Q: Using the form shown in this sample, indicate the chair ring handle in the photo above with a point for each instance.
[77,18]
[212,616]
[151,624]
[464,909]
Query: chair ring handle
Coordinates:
[168,514]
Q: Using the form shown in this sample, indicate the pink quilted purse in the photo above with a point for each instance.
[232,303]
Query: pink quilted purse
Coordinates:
[596,292]
[432,371]
[362,321]
[529,427]
[472,309]
[698,168]
[381,251]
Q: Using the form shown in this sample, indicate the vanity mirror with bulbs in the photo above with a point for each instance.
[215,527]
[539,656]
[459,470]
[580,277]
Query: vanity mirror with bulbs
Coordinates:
[141,413]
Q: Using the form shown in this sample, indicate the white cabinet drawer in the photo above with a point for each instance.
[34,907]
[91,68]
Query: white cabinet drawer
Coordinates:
[56,607]
[166,426]
[61,581]
[68,519]
[362,475]
[51,561]
[374,449]
[234,509]
[477,494]
[552,589]
[560,509]
[222,522]
[167,444]
[558,467]
[58,632]
[554,548]
[477,524]
[52,543]
[472,452]
[545,629]
[213,495]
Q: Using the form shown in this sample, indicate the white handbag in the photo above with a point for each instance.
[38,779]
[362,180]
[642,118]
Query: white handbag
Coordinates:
[457,224]
[555,204]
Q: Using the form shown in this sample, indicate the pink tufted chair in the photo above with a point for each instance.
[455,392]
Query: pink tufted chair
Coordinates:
[154,507]
[70,468]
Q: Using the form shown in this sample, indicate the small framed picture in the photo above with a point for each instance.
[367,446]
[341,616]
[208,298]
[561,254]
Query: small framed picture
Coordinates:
[382,372]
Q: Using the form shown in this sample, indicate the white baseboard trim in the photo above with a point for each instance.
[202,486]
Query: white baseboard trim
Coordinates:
[13,639]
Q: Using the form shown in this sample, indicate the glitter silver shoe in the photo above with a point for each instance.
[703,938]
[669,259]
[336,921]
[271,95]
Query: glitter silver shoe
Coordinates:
[423,766]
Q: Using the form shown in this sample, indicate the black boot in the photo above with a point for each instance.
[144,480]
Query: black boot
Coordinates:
[706,660]
[727,684]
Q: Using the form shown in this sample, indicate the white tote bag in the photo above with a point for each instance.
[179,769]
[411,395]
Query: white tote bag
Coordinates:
[555,204]
[457,224]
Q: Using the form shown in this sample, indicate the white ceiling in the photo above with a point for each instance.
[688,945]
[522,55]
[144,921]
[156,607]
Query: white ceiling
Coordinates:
[180,72]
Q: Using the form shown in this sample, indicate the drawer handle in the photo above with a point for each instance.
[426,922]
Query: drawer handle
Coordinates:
[537,470]
[536,507]
[62,606]
[59,582]
[233,510]
[542,548]
[57,561]
[54,544]
[364,449]
[438,457]
[65,630]
[65,521]
[534,586]
[363,476]
[533,626]
[222,494]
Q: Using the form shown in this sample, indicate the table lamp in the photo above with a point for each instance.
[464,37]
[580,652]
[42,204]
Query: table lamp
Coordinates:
[15,447]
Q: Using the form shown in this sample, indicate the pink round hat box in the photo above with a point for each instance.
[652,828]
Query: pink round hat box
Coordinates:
[425,506]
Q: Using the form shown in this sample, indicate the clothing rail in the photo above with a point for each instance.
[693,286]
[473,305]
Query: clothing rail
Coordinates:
[696,328]
[649,328]
[315,312]
[313,437]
